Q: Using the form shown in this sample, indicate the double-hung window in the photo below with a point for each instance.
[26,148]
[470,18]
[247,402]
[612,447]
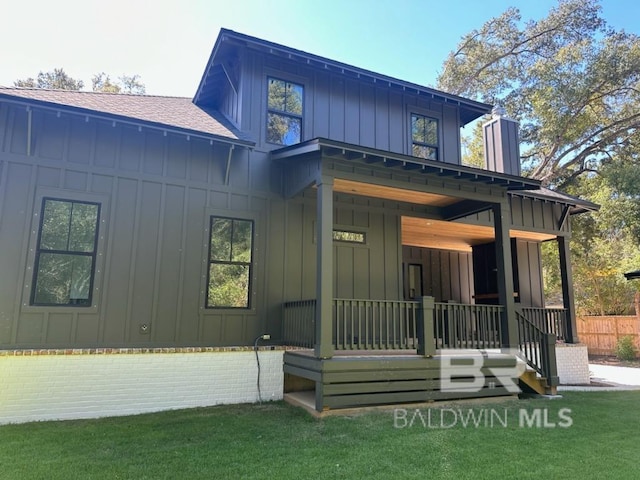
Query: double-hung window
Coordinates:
[66,253]
[424,137]
[230,263]
[284,111]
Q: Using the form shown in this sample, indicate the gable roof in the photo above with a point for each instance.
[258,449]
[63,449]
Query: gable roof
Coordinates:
[228,40]
[168,113]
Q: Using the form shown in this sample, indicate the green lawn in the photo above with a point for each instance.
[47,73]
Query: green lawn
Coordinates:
[278,441]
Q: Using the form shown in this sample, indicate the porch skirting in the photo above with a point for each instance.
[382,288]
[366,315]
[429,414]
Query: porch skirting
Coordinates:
[73,384]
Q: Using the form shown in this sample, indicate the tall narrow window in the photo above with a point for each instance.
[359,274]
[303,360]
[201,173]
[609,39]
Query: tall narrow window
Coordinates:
[284,115]
[66,253]
[424,137]
[230,263]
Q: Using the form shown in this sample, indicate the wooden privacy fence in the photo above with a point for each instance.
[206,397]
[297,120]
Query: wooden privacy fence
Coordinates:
[601,334]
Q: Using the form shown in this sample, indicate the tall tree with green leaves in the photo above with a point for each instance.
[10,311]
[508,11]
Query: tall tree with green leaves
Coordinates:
[58,79]
[573,83]
[570,80]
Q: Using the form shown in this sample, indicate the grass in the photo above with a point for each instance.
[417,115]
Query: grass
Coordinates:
[276,440]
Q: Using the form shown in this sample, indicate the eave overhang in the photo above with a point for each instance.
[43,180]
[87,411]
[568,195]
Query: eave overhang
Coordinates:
[228,40]
[414,165]
[96,114]
[575,205]
[632,275]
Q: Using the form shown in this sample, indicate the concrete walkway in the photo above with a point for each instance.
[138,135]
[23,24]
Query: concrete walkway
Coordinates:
[611,377]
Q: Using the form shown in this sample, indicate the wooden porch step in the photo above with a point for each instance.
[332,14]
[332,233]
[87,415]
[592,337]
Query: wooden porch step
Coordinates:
[532,382]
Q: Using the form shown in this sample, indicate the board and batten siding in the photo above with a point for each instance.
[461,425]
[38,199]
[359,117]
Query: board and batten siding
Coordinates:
[362,271]
[339,108]
[157,193]
[529,214]
[446,275]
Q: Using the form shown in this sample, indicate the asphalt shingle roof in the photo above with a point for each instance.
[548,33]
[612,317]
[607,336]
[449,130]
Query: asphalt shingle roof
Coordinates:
[174,112]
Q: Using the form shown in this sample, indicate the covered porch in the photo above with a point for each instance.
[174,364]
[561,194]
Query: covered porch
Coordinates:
[395,349]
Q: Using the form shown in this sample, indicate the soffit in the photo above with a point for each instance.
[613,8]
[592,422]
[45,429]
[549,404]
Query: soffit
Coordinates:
[438,234]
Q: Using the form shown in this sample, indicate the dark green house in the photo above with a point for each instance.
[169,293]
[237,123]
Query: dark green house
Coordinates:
[294,197]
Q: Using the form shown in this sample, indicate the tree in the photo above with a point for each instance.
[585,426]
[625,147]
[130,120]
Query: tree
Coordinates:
[57,79]
[101,82]
[572,83]
[570,80]
[132,84]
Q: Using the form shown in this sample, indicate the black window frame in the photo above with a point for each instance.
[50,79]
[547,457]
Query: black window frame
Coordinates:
[249,264]
[414,142]
[284,113]
[39,250]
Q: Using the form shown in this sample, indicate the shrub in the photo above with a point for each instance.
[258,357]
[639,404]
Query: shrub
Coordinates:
[625,349]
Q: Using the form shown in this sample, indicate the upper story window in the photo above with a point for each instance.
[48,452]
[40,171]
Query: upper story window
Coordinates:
[230,263]
[66,253]
[424,137]
[284,115]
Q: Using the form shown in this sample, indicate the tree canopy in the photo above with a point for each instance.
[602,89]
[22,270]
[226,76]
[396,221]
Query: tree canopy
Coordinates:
[573,84]
[569,79]
[58,79]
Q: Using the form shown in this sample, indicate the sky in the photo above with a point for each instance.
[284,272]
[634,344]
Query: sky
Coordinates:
[168,42]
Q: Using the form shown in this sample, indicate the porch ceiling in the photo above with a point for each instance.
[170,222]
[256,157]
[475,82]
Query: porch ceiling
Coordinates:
[438,234]
[392,193]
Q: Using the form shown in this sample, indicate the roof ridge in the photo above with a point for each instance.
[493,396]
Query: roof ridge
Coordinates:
[88,92]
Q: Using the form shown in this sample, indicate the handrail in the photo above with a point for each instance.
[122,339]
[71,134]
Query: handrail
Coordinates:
[538,349]
[549,320]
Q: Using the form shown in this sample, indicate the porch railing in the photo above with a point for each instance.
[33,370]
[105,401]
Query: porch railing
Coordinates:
[299,323]
[549,320]
[538,349]
[467,326]
[396,325]
[375,324]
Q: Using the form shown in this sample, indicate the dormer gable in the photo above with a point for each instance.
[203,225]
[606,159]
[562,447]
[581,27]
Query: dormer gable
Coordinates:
[278,96]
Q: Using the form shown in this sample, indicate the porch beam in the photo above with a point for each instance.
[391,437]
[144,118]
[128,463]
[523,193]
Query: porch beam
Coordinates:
[323,347]
[429,184]
[571,335]
[501,216]
[463,209]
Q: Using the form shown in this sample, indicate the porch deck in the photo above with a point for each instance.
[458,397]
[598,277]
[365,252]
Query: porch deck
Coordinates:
[385,352]
[361,378]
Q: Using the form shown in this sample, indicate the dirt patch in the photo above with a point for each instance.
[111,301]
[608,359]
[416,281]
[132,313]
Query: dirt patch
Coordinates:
[613,360]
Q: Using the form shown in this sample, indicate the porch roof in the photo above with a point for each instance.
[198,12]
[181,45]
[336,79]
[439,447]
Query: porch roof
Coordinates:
[414,165]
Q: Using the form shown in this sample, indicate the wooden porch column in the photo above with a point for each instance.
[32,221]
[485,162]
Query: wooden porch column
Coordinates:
[571,333]
[502,216]
[323,347]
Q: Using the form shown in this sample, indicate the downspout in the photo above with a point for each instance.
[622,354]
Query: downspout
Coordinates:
[228,170]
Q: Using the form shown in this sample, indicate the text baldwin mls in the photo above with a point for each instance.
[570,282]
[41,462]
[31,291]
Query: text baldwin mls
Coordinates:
[444,418]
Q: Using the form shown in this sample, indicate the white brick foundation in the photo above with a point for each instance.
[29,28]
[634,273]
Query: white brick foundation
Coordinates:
[573,363]
[70,386]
